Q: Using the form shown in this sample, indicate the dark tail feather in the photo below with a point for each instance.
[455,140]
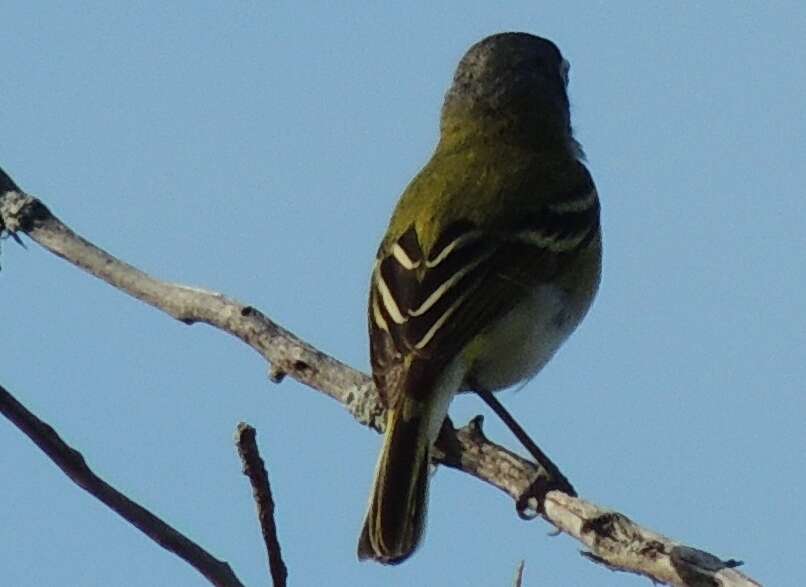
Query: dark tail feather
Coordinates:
[394,523]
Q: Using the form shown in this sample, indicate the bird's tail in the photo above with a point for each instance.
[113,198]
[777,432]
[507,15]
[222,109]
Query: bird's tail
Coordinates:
[395,519]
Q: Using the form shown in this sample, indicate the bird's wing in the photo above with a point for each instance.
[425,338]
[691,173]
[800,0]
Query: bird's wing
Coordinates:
[424,308]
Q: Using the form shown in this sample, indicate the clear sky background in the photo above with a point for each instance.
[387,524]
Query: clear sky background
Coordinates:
[258,149]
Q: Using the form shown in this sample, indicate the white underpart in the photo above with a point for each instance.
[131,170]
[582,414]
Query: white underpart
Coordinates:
[518,346]
[523,341]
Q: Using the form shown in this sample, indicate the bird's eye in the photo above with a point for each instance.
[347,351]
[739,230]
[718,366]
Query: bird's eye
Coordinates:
[564,69]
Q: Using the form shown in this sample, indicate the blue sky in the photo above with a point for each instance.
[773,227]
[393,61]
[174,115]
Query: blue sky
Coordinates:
[257,149]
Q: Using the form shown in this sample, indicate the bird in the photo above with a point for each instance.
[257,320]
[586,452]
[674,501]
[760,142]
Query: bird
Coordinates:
[492,257]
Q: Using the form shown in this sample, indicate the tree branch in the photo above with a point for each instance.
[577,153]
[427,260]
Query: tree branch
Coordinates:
[612,539]
[254,468]
[75,467]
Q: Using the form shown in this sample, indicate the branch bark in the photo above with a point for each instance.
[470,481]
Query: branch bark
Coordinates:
[611,538]
[254,468]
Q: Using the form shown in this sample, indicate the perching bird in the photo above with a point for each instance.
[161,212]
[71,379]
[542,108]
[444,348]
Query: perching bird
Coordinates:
[491,259]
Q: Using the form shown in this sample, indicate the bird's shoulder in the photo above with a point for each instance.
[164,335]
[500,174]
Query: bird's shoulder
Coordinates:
[490,188]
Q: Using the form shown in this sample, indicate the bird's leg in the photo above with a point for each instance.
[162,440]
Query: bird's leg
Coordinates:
[541,485]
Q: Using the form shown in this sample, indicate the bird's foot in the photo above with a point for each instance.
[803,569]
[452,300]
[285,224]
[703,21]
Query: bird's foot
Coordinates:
[532,502]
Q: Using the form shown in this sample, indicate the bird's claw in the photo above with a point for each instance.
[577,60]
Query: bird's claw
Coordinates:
[532,502]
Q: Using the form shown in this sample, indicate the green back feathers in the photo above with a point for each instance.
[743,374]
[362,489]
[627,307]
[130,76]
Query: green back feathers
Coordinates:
[489,186]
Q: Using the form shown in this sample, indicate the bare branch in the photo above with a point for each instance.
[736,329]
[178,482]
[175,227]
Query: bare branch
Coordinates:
[285,352]
[612,538]
[254,468]
[75,467]
[519,574]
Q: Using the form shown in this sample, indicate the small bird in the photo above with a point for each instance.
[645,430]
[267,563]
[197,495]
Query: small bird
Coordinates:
[491,259]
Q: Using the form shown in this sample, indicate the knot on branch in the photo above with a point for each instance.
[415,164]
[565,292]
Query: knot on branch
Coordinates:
[698,568]
[614,532]
[20,212]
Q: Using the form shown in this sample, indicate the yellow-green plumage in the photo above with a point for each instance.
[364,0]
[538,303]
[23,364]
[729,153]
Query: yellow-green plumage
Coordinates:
[491,259]
[507,181]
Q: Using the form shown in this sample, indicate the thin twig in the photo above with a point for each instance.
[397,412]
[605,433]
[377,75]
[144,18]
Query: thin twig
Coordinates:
[611,538]
[254,468]
[75,467]
[519,575]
